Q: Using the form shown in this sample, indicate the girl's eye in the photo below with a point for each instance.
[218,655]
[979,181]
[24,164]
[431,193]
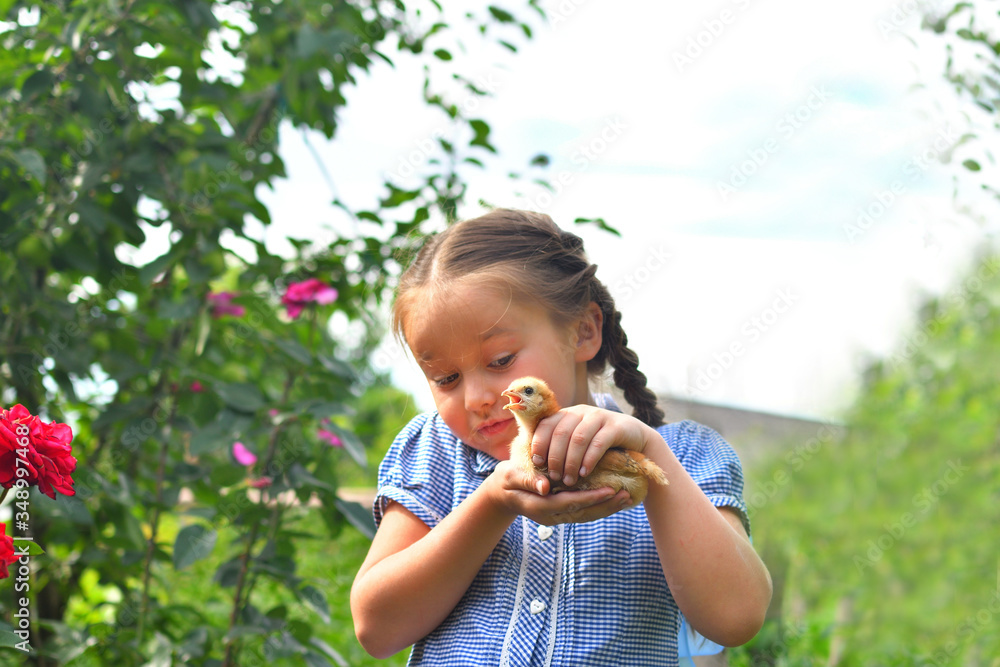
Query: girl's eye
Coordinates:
[503,362]
[445,381]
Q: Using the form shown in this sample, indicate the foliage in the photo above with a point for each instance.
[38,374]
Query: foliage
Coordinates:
[971,42]
[118,125]
[380,414]
[886,538]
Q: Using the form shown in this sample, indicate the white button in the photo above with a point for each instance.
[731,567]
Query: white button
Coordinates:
[537,606]
[544,532]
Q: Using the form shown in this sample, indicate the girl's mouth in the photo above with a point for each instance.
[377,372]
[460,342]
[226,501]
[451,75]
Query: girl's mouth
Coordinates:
[493,427]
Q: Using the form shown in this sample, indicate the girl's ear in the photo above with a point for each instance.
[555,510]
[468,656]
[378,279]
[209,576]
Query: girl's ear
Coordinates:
[589,333]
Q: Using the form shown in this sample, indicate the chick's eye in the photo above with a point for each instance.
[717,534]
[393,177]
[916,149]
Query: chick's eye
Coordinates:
[528,391]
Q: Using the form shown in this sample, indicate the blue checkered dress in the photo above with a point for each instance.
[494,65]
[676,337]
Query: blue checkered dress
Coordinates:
[575,594]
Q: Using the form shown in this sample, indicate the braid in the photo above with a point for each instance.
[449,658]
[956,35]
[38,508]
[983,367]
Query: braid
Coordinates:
[615,351]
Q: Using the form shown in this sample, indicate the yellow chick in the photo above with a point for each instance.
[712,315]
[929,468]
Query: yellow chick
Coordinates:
[530,401]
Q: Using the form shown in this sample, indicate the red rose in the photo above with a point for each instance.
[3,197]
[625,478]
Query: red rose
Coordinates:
[298,295]
[43,449]
[7,556]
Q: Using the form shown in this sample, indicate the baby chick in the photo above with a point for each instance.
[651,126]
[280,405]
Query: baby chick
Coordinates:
[531,400]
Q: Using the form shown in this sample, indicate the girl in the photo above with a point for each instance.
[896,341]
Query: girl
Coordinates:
[474,562]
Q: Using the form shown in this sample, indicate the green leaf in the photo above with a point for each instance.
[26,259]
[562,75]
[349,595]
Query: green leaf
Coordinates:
[193,543]
[294,350]
[307,41]
[246,631]
[162,652]
[352,443]
[600,224]
[158,266]
[204,328]
[337,367]
[33,549]
[7,636]
[95,217]
[298,476]
[320,408]
[315,599]
[368,215]
[359,517]
[313,659]
[971,165]
[229,572]
[212,437]
[540,160]
[328,651]
[240,396]
[501,15]
[398,196]
[72,509]
[32,162]
[482,132]
[442,54]
[40,81]
[179,309]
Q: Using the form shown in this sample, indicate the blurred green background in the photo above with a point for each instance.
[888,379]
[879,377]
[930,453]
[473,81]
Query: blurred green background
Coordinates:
[118,125]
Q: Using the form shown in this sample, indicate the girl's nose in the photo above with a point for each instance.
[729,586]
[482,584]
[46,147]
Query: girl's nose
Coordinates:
[479,394]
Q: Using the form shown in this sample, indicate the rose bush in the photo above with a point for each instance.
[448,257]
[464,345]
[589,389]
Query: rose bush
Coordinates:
[144,304]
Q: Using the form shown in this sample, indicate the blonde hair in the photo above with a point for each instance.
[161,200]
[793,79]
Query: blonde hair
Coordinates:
[536,260]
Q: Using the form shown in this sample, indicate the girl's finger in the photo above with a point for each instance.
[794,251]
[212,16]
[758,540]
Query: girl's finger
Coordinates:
[604,437]
[580,444]
[583,511]
[540,439]
[542,453]
[559,444]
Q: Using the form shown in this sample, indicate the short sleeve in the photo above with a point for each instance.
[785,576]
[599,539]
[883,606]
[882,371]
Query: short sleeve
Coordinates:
[428,470]
[711,462]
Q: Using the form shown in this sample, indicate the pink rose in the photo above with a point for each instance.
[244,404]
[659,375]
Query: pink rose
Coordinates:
[197,387]
[222,304]
[260,482]
[243,455]
[329,437]
[299,295]
[42,449]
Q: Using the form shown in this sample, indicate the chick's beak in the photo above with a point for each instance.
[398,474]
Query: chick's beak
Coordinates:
[514,398]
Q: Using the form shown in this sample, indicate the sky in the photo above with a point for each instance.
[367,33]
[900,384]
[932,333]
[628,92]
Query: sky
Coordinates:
[775,169]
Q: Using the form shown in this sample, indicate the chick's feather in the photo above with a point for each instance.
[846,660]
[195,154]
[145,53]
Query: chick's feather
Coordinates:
[530,401]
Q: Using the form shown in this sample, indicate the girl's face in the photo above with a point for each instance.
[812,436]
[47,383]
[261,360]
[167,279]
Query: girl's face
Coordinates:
[472,342]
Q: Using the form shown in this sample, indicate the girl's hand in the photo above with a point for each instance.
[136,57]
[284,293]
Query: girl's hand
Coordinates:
[572,441]
[521,493]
